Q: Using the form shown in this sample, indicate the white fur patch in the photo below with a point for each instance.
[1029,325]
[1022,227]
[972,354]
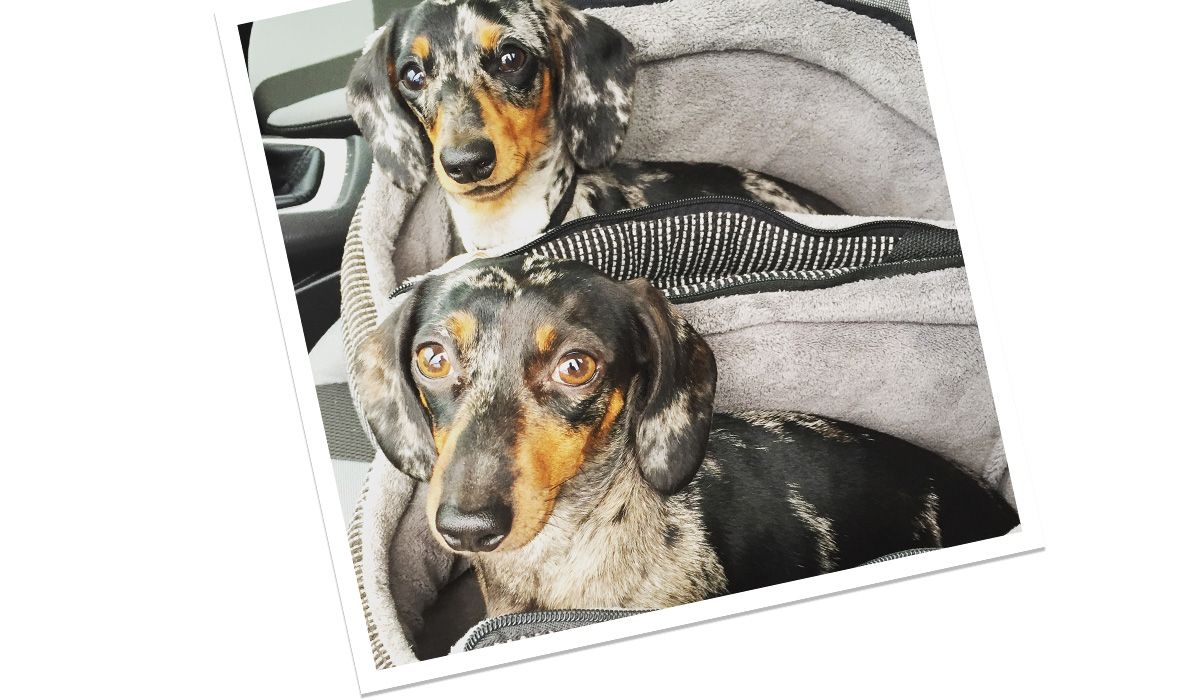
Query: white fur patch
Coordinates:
[493,278]
[771,194]
[776,422]
[729,438]
[927,519]
[820,526]
[521,221]
[772,422]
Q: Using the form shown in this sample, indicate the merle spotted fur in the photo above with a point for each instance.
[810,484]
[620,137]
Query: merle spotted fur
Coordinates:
[520,107]
[652,499]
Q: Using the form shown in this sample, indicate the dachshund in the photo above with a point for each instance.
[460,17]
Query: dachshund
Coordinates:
[521,106]
[564,422]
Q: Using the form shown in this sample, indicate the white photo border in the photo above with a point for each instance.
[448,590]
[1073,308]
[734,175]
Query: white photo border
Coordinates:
[1027,538]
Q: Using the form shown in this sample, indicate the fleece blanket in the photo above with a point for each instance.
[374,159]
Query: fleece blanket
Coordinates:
[800,89]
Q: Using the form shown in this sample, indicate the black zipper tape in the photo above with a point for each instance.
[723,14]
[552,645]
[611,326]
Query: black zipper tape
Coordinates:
[899,555]
[785,284]
[916,240]
[726,204]
[540,622]
[881,14]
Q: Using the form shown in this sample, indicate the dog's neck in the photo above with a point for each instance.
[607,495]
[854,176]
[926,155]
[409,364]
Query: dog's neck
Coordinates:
[611,542]
[498,227]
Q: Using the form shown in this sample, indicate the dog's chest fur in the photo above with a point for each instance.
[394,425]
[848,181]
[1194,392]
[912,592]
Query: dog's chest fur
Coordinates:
[630,549]
[523,216]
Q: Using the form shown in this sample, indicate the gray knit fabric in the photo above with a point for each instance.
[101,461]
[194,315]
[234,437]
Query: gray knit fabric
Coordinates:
[343,429]
[900,7]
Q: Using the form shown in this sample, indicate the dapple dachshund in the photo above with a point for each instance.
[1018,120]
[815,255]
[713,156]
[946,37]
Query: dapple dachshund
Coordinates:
[521,106]
[564,423]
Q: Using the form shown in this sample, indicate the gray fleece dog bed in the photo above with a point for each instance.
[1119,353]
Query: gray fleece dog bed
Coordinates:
[826,97]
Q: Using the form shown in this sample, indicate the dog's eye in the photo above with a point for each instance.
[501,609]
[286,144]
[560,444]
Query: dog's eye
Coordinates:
[412,76]
[575,369]
[511,59]
[432,360]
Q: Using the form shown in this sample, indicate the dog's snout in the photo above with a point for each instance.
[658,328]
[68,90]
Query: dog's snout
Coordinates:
[469,162]
[474,531]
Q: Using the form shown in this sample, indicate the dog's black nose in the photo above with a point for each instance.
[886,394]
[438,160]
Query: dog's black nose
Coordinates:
[477,531]
[470,162]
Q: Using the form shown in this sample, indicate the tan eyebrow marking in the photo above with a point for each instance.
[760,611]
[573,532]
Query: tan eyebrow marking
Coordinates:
[544,337]
[420,47]
[489,36]
[462,327]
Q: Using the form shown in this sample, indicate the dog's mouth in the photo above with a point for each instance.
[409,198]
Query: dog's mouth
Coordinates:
[485,193]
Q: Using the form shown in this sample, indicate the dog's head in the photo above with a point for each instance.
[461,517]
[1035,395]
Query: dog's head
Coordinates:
[489,91]
[502,381]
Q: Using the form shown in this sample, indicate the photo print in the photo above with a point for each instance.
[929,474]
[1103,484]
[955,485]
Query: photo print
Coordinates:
[608,317]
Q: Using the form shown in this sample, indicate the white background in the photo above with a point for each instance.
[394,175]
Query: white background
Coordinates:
[161,536]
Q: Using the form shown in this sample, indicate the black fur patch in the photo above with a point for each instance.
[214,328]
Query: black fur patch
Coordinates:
[809,501]
[671,535]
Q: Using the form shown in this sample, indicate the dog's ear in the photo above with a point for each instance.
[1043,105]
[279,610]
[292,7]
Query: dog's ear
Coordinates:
[398,142]
[387,396]
[595,87]
[677,385]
